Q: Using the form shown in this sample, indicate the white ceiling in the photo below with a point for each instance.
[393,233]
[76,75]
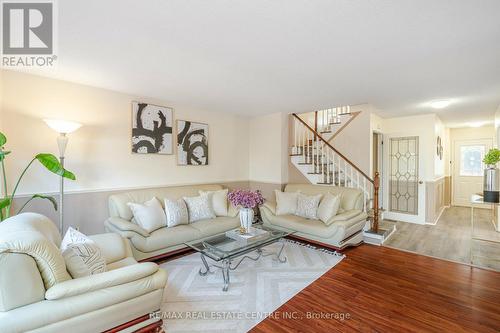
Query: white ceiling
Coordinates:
[256,57]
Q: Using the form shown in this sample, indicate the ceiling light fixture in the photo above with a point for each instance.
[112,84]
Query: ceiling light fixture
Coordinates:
[440,104]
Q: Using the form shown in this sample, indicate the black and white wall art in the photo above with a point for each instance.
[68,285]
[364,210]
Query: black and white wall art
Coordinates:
[151,129]
[192,143]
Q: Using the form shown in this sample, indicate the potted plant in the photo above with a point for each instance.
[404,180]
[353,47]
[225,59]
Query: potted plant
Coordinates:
[49,161]
[491,189]
[247,201]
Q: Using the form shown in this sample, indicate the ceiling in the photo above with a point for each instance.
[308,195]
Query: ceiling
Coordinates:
[257,57]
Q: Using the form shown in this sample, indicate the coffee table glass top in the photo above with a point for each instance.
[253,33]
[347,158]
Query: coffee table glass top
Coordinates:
[222,247]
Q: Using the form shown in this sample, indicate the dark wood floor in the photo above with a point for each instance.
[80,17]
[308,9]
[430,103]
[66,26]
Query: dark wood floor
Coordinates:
[386,290]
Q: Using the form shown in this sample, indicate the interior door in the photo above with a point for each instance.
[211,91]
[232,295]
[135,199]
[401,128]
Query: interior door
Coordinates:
[468,169]
[405,195]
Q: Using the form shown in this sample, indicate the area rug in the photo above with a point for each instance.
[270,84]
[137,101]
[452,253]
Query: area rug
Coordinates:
[195,303]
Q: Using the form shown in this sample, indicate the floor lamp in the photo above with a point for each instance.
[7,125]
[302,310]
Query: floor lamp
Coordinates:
[62,127]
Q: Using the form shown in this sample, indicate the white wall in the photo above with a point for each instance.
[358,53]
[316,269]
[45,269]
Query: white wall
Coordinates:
[439,164]
[497,127]
[100,152]
[269,149]
[355,141]
[423,126]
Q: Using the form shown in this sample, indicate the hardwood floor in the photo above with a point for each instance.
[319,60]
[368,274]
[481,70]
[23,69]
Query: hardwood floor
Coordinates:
[386,290]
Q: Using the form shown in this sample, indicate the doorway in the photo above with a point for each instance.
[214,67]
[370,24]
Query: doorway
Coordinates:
[405,197]
[468,169]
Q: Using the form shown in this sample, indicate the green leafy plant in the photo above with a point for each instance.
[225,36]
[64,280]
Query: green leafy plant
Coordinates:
[492,157]
[49,161]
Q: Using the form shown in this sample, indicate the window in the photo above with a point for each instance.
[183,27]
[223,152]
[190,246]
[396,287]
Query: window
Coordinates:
[471,160]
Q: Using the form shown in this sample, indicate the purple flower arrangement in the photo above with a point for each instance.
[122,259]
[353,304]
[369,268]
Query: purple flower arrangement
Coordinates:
[246,198]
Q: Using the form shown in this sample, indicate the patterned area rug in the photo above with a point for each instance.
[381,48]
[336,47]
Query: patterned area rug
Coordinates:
[195,303]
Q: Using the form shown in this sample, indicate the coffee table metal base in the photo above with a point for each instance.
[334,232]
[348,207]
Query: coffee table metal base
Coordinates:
[227,266]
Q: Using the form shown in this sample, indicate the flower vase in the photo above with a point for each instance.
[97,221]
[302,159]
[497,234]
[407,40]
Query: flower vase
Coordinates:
[246,218]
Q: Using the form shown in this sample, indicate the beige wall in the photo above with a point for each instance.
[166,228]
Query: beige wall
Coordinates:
[269,149]
[89,209]
[497,127]
[100,152]
[435,199]
[355,141]
[471,133]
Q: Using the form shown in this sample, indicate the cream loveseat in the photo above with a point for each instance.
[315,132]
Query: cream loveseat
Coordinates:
[347,226]
[164,241]
[38,295]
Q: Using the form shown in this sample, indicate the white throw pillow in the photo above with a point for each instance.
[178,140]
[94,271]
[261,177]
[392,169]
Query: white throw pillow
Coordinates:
[150,215]
[286,202]
[307,206]
[199,208]
[177,212]
[328,207]
[73,236]
[82,255]
[219,201]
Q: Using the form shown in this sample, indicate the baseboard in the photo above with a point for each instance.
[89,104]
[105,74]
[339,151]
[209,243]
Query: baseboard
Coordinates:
[327,246]
[153,327]
[378,238]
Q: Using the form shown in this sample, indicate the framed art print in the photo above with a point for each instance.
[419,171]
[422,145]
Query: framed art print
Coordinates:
[151,129]
[192,143]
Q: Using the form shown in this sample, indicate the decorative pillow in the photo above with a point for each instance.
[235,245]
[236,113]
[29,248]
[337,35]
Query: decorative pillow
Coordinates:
[219,201]
[286,202]
[307,206]
[73,236]
[81,255]
[328,207]
[150,215]
[177,212]
[199,208]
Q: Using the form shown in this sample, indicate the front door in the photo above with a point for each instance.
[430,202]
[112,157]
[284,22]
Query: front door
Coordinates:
[468,169]
[405,193]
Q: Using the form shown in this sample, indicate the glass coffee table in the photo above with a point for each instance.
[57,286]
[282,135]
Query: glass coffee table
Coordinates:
[226,251]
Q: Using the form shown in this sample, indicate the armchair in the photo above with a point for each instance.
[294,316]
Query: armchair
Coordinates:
[38,295]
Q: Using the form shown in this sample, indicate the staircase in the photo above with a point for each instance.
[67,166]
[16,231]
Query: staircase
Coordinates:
[314,156]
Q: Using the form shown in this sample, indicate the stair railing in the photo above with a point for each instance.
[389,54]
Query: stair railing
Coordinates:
[333,168]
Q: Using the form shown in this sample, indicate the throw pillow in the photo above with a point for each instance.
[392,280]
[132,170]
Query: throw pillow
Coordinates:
[286,202]
[307,206]
[177,212]
[328,207]
[73,236]
[82,256]
[150,215]
[199,208]
[219,201]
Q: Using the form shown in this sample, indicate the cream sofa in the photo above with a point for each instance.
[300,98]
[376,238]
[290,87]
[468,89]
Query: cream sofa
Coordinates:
[347,226]
[38,295]
[164,241]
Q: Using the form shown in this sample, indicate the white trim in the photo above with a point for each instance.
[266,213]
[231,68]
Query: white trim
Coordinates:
[266,182]
[131,188]
[438,217]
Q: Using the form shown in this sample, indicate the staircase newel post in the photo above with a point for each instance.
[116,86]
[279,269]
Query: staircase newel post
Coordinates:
[376,187]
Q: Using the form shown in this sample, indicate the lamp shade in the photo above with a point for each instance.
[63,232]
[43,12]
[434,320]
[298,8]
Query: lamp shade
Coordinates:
[62,126]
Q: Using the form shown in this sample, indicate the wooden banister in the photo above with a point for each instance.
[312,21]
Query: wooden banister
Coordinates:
[335,150]
[376,188]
